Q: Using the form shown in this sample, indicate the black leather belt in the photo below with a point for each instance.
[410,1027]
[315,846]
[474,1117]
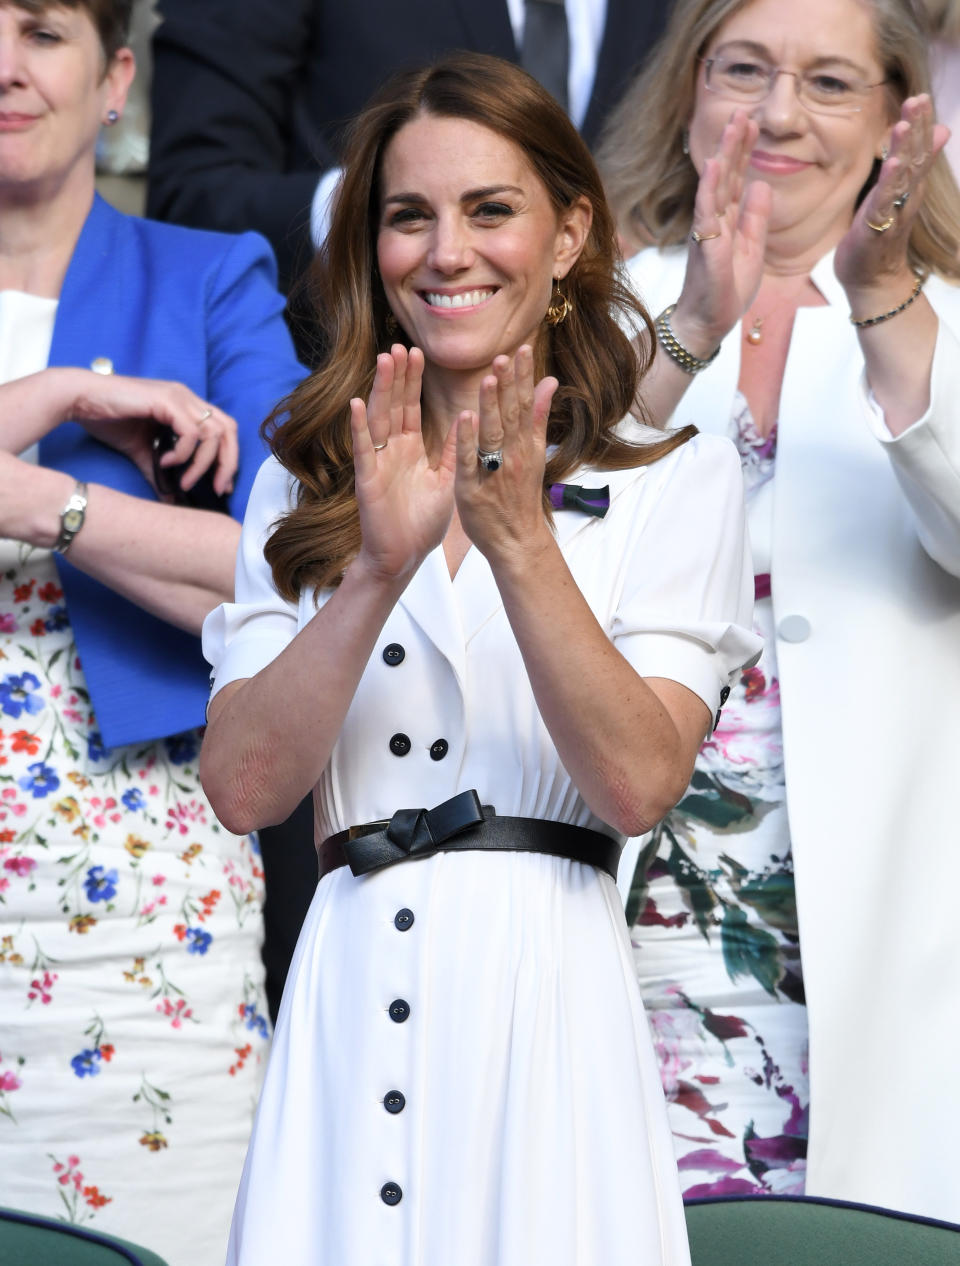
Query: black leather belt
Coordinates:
[461,823]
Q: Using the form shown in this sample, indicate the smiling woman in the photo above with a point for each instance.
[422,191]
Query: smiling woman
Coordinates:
[130,973]
[786,162]
[468,581]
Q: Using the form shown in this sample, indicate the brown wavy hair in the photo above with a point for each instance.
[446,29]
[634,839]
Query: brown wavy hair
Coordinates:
[590,353]
[651,183]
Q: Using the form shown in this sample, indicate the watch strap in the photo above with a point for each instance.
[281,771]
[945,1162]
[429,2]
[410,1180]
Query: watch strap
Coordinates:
[71,517]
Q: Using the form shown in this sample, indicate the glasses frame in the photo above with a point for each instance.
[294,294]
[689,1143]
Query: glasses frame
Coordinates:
[797,77]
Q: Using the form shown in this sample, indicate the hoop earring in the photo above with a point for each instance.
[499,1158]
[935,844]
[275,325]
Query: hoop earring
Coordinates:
[560,306]
[113,116]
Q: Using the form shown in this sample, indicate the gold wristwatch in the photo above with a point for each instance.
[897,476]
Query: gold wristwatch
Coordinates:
[71,518]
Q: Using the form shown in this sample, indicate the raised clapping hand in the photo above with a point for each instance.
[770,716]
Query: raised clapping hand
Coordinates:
[405,502]
[502,511]
[869,259]
[123,412]
[725,267]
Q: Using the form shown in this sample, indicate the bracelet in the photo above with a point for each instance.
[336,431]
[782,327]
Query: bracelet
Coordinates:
[885,316]
[689,363]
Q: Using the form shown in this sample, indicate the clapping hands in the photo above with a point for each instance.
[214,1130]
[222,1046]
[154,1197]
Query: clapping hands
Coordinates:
[406,501]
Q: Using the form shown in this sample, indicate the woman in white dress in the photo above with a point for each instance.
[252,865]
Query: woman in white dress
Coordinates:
[435,606]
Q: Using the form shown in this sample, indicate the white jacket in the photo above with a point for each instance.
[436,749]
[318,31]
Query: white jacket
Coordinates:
[866,549]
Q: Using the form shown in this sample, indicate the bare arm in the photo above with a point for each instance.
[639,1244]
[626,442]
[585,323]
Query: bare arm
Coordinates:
[723,270]
[874,271]
[173,561]
[628,742]
[270,736]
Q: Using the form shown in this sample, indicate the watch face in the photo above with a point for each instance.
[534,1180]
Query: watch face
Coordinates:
[72,520]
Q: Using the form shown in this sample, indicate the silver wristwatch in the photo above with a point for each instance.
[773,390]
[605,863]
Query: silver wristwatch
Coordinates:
[71,517]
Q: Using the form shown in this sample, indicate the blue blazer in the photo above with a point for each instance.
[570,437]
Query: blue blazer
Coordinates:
[200,308]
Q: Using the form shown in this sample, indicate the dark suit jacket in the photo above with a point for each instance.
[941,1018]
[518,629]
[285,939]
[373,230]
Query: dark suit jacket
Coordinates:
[250,96]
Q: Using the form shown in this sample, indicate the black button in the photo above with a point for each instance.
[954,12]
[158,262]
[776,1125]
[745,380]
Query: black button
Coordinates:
[393,654]
[399,1010]
[403,920]
[399,745]
[390,1193]
[724,695]
[439,749]
[394,1101]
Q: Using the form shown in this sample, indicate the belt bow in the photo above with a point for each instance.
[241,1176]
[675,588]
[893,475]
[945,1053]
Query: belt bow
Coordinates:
[413,832]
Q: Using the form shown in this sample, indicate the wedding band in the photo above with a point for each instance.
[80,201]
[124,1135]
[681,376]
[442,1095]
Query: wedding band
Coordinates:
[207,413]
[901,202]
[703,237]
[490,461]
[378,447]
[882,228]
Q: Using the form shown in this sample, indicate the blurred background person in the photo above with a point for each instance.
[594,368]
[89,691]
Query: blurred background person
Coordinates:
[250,98]
[785,160]
[130,979]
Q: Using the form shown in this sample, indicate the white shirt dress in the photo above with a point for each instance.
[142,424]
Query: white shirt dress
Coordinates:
[462,1070]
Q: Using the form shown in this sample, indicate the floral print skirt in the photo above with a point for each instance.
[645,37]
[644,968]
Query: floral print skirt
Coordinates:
[714,930]
[133,1028]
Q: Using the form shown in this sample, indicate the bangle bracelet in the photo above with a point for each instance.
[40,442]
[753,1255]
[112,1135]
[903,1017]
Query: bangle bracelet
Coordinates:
[689,363]
[885,316]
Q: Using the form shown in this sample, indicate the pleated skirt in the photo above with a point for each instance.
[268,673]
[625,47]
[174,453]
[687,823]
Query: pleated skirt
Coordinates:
[462,1073]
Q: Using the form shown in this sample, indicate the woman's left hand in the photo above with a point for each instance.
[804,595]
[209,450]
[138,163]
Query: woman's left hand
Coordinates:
[871,259]
[502,510]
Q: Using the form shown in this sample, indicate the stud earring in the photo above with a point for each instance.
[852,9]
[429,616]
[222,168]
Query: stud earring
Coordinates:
[113,116]
[685,142]
[560,306]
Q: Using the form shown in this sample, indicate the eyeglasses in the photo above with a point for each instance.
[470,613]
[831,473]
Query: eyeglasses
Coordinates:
[748,79]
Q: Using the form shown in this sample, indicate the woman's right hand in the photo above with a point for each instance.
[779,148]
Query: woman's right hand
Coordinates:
[725,267]
[123,413]
[405,502]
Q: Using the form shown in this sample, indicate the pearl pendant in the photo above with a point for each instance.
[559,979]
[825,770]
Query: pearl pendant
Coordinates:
[755,333]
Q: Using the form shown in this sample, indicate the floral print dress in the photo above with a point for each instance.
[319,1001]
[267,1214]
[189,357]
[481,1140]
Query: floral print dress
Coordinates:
[714,925]
[132,1019]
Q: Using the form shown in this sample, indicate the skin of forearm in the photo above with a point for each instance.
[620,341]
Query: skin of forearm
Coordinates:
[899,352]
[613,734]
[665,383]
[270,737]
[31,407]
[175,562]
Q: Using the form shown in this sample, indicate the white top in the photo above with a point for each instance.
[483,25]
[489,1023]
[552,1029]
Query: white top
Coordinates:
[26,332]
[666,572]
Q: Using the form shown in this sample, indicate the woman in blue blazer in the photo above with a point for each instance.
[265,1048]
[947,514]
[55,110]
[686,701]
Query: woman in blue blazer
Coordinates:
[130,979]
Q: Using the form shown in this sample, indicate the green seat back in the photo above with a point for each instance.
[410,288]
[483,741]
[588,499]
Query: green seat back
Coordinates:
[26,1239]
[798,1231]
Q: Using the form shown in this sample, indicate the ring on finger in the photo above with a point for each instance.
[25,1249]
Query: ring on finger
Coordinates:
[703,237]
[207,413]
[490,460]
[900,202]
[882,228]
[378,447]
